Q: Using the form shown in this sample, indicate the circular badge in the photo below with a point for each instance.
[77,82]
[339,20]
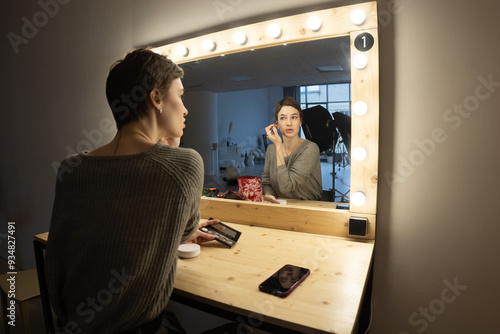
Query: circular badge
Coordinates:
[364,42]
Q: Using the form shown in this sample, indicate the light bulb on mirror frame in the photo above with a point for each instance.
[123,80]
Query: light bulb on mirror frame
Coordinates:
[240,37]
[314,23]
[358,17]
[274,30]
[360,108]
[360,61]
[359,153]
[208,44]
[181,50]
[358,198]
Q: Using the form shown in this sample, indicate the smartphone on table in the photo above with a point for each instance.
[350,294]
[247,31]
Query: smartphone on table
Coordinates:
[285,280]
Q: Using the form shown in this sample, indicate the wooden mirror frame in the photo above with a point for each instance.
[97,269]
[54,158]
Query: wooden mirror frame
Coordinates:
[335,22]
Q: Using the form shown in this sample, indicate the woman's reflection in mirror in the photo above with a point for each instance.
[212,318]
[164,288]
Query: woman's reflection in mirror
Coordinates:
[292,167]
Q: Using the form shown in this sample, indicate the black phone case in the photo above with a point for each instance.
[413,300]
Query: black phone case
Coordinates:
[265,287]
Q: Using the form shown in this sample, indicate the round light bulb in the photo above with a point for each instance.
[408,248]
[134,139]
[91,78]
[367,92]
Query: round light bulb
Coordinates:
[360,108]
[240,38]
[360,61]
[274,30]
[358,198]
[358,17]
[181,50]
[314,23]
[359,153]
[208,44]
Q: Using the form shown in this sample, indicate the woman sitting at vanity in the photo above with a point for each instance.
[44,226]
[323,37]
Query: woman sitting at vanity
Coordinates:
[292,167]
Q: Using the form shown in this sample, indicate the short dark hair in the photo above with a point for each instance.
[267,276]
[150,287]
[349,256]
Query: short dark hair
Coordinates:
[131,79]
[287,101]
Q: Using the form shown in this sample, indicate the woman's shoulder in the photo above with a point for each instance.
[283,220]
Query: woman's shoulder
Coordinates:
[178,153]
[181,163]
[310,145]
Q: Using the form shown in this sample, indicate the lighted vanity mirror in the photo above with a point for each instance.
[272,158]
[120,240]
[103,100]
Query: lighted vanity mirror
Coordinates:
[355,25]
[247,85]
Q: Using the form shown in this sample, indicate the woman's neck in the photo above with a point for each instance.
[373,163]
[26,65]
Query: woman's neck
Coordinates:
[291,144]
[130,139]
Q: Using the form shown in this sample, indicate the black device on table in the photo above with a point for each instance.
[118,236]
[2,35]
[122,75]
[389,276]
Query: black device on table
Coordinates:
[285,280]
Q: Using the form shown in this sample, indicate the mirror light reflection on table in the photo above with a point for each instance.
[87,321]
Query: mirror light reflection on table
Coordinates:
[355,21]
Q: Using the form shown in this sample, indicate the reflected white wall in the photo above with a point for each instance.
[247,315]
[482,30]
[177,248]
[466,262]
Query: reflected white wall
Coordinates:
[201,124]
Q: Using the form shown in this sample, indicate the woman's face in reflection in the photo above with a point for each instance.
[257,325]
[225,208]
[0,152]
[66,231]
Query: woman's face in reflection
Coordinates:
[288,276]
[289,121]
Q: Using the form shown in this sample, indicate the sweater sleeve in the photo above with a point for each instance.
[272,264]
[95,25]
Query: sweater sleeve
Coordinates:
[194,173]
[294,175]
[267,189]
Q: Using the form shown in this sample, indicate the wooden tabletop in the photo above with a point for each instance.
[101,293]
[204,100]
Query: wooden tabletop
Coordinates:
[228,278]
[327,301]
[42,237]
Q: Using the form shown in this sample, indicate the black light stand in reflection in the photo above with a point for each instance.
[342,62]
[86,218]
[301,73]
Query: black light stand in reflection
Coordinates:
[321,128]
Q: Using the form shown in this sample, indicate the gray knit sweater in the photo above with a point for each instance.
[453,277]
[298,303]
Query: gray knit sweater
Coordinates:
[299,177]
[116,225]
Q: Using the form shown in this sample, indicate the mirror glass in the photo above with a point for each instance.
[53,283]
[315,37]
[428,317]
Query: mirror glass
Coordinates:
[246,86]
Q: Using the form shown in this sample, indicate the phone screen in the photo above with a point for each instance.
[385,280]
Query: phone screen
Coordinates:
[285,280]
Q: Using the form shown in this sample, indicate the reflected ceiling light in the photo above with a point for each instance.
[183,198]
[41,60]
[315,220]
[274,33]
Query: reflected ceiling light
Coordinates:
[274,30]
[314,23]
[181,50]
[358,198]
[360,108]
[241,78]
[240,38]
[208,44]
[359,153]
[358,17]
[329,68]
[157,51]
[360,61]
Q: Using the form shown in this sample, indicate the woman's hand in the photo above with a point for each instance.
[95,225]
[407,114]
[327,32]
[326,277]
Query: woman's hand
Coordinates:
[270,198]
[200,237]
[272,133]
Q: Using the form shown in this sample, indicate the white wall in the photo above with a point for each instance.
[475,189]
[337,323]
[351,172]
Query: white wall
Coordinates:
[248,112]
[211,113]
[437,222]
[201,124]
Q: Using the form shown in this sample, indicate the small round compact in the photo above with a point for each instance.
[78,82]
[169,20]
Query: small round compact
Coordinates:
[188,251]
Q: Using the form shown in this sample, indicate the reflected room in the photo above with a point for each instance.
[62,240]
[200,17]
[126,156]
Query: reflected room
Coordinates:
[234,97]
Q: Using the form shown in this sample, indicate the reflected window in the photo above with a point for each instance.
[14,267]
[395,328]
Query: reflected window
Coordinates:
[334,97]
[335,163]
